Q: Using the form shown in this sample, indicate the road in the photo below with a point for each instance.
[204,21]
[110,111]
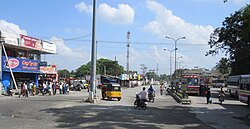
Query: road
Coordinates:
[70,112]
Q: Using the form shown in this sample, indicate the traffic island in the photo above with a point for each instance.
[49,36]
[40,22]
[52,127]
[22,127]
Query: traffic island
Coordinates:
[179,97]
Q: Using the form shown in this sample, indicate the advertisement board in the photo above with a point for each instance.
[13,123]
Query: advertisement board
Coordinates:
[20,65]
[48,47]
[48,69]
[11,39]
[30,42]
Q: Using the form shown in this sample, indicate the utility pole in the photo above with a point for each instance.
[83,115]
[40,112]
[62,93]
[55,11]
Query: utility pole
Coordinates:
[92,91]
[157,68]
[128,42]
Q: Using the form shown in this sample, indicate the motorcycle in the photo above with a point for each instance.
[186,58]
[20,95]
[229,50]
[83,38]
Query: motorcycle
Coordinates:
[221,97]
[139,103]
[9,92]
[151,97]
[46,91]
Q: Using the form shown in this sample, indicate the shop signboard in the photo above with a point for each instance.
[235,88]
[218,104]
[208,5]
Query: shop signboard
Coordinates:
[124,77]
[43,63]
[11,39]
[48,47]
[30,42]
[48,69]
[20,65]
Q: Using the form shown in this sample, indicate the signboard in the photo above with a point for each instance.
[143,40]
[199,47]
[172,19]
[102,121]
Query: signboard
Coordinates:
[49,47]
[20,65]
[43,63]
[11,39]
[48,69]
[30,42]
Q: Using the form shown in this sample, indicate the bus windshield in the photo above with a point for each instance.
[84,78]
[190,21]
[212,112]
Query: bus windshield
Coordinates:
[193,82]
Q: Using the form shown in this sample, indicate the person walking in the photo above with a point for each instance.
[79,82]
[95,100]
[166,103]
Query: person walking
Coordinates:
[208,95]
[26,90]
[60,87]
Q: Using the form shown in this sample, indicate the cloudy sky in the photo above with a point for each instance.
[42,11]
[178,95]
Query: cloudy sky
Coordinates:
[68,23]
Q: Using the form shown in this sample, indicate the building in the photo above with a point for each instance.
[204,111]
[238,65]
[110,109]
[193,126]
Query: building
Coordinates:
[21,58]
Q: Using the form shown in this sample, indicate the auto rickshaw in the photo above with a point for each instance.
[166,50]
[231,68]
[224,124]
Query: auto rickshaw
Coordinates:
[111,90]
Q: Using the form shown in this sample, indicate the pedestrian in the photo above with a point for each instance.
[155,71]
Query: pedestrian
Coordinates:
[34,89]
[67,88]
[161,89]
[53,88]
[208,95]
[26,92]
[60,87]
[30,88]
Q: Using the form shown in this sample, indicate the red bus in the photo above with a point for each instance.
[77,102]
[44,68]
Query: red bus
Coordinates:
[192,84]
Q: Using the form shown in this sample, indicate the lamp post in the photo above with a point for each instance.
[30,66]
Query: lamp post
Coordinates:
[175,42]
[170,60]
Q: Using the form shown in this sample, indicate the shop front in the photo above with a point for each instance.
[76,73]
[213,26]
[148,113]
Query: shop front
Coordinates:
[24,70]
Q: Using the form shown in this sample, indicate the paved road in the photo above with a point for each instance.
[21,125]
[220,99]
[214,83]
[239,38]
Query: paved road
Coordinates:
[69,112]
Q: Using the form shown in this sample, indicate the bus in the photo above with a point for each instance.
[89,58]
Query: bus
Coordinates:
[233,85]
[244,92]
[192,84]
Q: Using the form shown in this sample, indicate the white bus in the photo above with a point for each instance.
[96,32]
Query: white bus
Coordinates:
[233,85]
[244,92]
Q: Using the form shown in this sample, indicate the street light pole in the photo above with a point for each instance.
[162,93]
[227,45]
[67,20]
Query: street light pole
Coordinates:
[175,42]
[170,60]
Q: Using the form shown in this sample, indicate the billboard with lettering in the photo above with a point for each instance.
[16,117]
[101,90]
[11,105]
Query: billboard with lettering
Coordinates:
[11,39]
[30,42]
[48,69]
[20,65]
[49,47]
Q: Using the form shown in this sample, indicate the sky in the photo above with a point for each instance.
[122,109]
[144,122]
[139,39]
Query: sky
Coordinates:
[68,24]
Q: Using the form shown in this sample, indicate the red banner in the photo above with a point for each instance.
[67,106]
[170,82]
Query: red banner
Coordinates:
[30,42]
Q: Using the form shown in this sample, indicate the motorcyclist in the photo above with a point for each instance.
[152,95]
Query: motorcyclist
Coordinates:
[151,91]
[221,94]
[143,95]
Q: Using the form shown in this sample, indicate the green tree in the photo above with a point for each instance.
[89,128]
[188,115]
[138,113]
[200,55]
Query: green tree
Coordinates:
[63,73]
[102,65]
[233,38]
[152,75]
[223,66]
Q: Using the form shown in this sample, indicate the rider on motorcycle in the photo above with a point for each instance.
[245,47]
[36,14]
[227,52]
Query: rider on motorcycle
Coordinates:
[151,91]
[221,94]
[143,95]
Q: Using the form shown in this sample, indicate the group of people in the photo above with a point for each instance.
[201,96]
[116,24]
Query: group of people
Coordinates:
[48,87]
[209,95]
[28,88]
[143,93]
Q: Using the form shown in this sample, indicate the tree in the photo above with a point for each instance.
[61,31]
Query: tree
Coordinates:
[152,75]
[110,67]
[233,38]
[223,66]
[63,73]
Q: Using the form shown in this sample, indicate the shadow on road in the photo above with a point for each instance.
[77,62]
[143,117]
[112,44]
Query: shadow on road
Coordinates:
[109,117]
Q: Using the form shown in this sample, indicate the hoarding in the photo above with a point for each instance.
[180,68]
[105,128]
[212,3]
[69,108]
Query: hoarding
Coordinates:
[48,69]
[48,47]
[30,42]
[20,65]
[11,39]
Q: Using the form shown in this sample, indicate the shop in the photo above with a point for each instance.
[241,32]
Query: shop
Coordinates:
[24,70]
[48,74]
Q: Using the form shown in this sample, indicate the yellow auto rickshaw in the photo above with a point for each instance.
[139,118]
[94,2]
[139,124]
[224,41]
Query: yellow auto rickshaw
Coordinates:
[111,90]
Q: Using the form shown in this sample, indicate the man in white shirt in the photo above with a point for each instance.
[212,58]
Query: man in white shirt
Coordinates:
[143,94]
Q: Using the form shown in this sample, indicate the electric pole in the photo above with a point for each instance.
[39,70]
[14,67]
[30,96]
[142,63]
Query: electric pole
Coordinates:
[128,42]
